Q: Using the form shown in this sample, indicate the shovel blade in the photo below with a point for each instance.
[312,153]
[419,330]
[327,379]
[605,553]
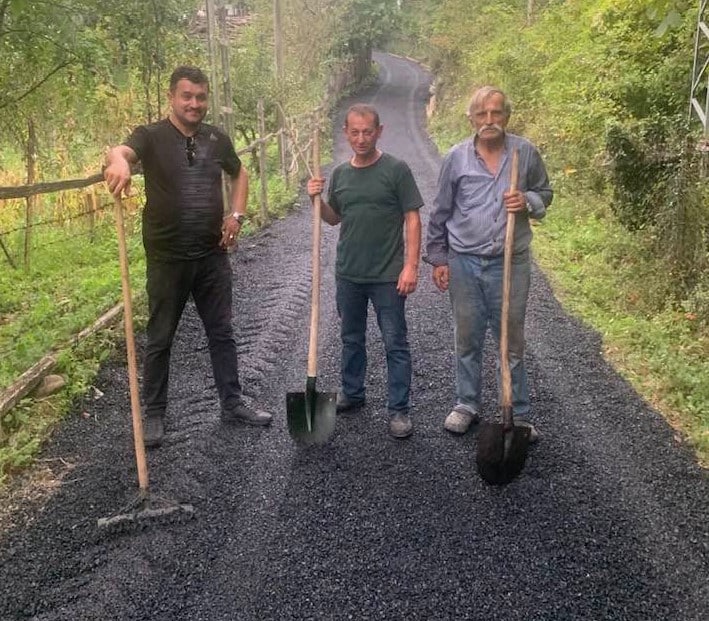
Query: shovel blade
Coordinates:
[311,415]
[501,454]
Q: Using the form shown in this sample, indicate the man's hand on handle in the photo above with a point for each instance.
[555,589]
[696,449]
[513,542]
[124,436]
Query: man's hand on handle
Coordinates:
[117,171]
[316,185]
[117,176]
[515,201]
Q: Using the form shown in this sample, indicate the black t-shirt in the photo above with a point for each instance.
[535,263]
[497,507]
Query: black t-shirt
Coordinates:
[184,209]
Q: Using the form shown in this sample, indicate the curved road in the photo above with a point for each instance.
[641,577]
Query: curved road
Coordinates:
[608,520]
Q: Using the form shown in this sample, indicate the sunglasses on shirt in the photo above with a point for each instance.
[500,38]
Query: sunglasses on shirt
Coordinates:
[190,150]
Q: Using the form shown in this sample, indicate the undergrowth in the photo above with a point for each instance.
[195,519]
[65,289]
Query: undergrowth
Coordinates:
[618,286]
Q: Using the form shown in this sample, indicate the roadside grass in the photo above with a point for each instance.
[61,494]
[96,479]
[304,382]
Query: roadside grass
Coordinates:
[73,278]
[606,278]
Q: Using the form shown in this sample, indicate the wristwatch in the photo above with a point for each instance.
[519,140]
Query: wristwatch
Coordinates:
[239,217]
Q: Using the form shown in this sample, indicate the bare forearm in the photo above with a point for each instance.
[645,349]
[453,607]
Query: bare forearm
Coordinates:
[328,214]
[117,172]
[412,230]
[240,192]
[120,153]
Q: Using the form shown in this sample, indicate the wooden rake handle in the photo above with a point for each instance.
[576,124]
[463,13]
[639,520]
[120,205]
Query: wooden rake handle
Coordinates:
[315,290]
[130,349]
[505,314]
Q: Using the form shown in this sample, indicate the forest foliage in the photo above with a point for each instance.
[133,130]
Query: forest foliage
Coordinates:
[84,72]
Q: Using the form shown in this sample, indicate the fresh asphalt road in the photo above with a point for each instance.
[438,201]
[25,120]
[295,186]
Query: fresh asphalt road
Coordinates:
[607,521]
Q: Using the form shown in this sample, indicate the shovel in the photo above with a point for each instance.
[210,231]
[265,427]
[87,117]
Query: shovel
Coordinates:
[311,415]
[502,447]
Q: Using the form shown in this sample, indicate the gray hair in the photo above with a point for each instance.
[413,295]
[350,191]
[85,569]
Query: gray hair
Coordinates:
[482,94]
[363,109]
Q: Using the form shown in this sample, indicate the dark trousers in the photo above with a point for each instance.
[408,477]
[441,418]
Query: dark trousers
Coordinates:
[169,285]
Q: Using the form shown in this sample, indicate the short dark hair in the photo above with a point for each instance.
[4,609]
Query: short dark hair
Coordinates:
[187,72]
[362,109]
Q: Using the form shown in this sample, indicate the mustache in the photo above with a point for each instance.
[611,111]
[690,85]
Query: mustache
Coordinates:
[490,126]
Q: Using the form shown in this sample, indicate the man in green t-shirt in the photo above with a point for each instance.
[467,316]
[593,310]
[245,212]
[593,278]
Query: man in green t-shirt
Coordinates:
[375,197]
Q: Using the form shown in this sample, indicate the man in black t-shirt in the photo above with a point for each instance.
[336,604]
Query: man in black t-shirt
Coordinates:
[186,236]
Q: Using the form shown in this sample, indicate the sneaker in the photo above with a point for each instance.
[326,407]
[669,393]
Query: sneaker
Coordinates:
[400,425]
[533,433]
[459,420]
[243,413]
[345,404]
[153,431]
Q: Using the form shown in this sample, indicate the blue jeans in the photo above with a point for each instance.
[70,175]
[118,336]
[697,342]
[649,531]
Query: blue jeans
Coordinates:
[475,287]
[352,303]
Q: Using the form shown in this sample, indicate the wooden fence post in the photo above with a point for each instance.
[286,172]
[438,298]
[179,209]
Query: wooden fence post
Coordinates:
[278,59]
[262,160]
[30,200]
[90,214]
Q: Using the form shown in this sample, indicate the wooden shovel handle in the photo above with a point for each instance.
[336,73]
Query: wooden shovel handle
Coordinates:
[505,314]
[315,290]
[130,349]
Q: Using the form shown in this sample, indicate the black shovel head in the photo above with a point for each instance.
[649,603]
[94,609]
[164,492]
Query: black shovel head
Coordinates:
[311,414]
[501,454]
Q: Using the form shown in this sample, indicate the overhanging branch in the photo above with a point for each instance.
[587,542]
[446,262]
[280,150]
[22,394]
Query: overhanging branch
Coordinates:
[34,87]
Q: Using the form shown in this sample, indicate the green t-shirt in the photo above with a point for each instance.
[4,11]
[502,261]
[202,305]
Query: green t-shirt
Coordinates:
[371,202]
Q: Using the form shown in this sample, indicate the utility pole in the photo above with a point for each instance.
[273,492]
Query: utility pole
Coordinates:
[278,50]
[214,99]
[278,38]
[227,95]
[530,12]
[699,94]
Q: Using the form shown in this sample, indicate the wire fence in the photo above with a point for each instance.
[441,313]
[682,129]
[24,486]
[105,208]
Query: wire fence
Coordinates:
[26,210]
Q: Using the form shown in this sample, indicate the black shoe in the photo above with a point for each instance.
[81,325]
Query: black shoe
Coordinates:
[344,404]
[153,431]
[242,413]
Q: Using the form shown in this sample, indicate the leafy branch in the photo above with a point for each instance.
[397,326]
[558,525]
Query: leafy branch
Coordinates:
[35,86]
